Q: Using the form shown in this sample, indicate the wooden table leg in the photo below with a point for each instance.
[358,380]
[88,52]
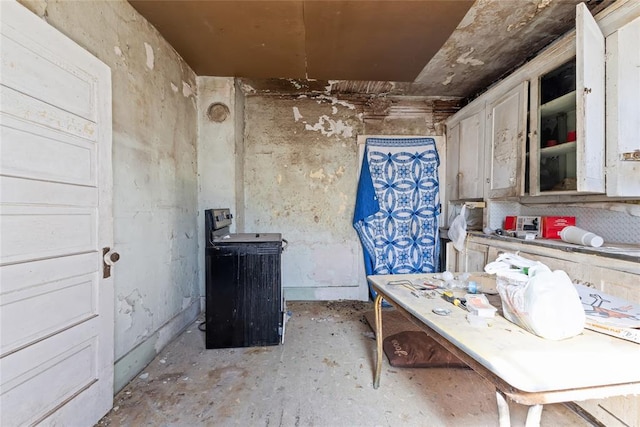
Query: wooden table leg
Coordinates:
[377,308]
[534,416]
[504,418]
[534,413]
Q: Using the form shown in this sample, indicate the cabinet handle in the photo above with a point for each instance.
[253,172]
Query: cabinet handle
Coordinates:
[632,156]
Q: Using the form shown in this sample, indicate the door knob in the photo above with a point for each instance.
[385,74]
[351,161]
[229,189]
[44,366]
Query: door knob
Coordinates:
[112,257]
[109,258]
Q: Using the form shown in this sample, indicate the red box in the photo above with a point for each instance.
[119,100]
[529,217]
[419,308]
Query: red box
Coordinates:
[552,225]
[510,222]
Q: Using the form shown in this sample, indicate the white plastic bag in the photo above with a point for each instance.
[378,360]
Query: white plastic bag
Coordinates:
[543,302]
[458,230]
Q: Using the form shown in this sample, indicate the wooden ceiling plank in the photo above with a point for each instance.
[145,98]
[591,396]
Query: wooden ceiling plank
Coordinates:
[260,39]
[377,40]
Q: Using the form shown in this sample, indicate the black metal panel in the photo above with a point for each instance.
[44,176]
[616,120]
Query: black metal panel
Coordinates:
[243,294]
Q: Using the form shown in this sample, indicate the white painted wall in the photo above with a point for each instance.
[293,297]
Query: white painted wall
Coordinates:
[216,157]
[154,173]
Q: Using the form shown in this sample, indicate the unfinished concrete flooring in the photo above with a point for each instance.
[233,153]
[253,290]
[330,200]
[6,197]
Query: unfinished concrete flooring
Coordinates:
[321,376]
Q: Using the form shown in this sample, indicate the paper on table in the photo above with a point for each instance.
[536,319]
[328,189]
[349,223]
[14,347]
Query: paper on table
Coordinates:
[608,309]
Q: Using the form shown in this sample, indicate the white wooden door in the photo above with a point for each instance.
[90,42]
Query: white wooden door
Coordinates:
[56,309]
[507,124]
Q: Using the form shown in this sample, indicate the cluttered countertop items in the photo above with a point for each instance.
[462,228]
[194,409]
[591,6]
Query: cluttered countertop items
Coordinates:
[557,232]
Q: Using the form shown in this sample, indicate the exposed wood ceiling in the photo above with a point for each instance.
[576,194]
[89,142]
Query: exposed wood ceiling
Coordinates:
[424,47]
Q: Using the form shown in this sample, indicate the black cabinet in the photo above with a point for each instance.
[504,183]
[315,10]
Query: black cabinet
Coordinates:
[244,304]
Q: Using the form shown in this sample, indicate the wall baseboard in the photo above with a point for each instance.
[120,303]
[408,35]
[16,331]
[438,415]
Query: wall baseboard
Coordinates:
[131,364]
[329,293]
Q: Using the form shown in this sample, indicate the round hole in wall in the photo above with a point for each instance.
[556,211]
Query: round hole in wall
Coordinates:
[218,112]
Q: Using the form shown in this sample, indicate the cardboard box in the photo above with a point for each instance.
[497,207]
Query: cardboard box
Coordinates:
[552,225]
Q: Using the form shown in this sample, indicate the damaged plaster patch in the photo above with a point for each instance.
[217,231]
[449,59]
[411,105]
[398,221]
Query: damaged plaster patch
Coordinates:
[543,4]
[130,305]
[448,79]
[329,86]
[296,114]
[295,83]
[246,89]
[465,58]
[318,175]
[334,110]
[174,88]
[322,175]
[329,127]
[344,202]
[187,91]
[335,101]
[117,51]
[469,18]
[150,57]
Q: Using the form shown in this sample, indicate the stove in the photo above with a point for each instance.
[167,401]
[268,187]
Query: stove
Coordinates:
[244,299]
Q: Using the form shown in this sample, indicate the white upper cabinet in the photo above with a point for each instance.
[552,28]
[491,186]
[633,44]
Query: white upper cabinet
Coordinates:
[471,165]
[567,116]
[544,130]
[465,156]
[623,111]
[506,136]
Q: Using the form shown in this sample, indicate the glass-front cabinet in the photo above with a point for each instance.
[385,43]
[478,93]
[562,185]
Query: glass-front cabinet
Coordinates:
[557,130]
[565,151]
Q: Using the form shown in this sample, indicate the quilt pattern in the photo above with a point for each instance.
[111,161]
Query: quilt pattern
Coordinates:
[399,227]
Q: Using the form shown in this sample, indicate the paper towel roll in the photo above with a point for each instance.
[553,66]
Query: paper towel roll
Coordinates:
[579,236]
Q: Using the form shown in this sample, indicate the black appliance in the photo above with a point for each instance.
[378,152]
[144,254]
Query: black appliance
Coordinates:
[244,300]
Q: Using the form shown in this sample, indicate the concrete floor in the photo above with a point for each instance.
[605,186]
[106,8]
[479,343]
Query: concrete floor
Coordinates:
[322,376]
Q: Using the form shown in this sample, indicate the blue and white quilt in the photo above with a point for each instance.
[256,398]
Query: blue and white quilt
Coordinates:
[397,205]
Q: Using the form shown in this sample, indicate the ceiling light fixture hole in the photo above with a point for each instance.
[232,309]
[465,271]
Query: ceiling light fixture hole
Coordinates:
[218,112]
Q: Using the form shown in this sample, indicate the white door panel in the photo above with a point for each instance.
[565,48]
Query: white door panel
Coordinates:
[33,110]
[17,190]
[56,309]
[37,152]
[41,377]
[34,68]
[30,232]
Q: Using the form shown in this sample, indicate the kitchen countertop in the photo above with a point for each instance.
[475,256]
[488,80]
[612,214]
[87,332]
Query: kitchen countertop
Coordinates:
[621,251]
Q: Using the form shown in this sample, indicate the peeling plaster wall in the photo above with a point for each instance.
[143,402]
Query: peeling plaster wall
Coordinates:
[300,177]
[154,174]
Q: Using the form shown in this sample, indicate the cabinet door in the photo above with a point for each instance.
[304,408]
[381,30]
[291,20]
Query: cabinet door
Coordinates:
[452,261]
[453,156]
[623,111]
[471,163]
[567,116]
[475,257]
[507,124]
[590,102]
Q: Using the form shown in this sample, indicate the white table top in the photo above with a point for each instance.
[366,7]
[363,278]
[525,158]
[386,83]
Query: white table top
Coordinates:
[525,361]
